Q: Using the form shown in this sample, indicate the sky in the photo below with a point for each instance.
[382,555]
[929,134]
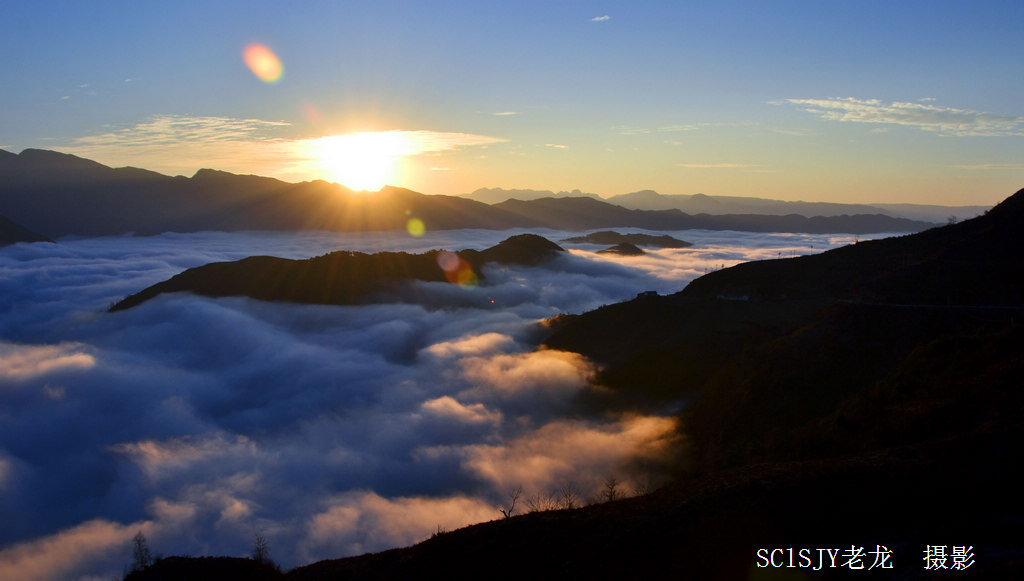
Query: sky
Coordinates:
[861,102]
[331,431]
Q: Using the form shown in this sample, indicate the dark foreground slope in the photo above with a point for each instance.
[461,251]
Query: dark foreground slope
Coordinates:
[711,526]
[881,343]
[342,278]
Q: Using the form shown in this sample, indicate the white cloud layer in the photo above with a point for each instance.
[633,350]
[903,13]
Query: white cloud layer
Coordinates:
[942,120]
[332,430]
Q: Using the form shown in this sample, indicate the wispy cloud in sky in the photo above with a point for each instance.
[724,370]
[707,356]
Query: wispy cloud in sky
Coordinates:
[423,141]
[671,128]
[942,120]
[183,144]
[993,166]
[505,113]
[171,129]
[603,18]
[723,165]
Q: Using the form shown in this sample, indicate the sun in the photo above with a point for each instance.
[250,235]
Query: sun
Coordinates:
[361,161]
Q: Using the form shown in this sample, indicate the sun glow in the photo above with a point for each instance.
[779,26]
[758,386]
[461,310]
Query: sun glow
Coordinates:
[361,161]
[369,160]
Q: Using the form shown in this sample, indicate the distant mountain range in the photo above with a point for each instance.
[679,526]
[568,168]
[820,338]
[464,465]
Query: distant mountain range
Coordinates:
[57,195]
[498,195]
[717,205]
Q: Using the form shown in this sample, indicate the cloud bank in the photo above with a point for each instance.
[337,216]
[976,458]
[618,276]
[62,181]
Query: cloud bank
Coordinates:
[331,431]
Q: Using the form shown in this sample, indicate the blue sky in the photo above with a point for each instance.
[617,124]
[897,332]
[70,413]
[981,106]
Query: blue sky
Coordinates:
[856,101]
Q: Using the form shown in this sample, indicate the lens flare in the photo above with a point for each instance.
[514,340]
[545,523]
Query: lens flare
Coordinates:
[416,227]
[456,269]
[448,261]
[311,113]
[263,63]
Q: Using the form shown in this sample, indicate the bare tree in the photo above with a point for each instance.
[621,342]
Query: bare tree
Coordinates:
[642,488]
[261,549]
[611,489]
[513,498]
[568,496]
[141,555]
[540,502]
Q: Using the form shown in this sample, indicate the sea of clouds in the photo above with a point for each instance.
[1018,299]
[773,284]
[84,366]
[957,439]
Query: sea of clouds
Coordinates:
[331,431]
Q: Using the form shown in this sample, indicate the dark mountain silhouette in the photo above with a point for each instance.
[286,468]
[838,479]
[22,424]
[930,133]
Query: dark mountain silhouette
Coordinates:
[206,569]
[525,249]
[496,195]
[705,204]
[608,237]
[870,345]
[57,195]
[342,278]
[12,232]
[623,249]
[939,266]
[932,212]
[589,214]
[866,397]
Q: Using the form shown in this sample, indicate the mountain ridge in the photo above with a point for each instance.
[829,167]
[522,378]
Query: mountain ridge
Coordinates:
[717,205]
[343,277]
[58,194]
